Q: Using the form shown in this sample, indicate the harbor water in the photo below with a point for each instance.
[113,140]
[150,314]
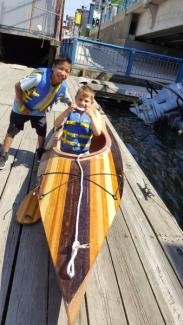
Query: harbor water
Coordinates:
[158,151]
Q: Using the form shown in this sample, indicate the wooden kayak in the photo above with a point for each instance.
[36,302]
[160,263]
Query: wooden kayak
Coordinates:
[77,199]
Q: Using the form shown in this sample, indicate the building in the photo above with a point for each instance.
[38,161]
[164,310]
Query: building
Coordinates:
[68,27]
[155,25]
[30,31]
[81,21]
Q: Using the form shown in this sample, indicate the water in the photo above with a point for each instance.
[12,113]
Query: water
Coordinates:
[158,151]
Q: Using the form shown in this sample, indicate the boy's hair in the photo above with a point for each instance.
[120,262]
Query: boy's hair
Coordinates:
[61,59]
[86,91]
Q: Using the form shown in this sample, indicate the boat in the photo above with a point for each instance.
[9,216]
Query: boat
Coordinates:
[175,120]
[77,197]
[161,105]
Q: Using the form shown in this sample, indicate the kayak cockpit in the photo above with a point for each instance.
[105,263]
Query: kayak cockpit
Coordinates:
[99,144]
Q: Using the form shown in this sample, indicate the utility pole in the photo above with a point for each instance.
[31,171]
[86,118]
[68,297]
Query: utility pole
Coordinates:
[102,7]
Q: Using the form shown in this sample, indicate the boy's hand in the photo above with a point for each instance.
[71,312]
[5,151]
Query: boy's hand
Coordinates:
[89,111]
[72,107]
[57,134]
[56,137]
[23,109]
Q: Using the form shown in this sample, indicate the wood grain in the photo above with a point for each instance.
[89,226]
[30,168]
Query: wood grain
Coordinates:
[58,199]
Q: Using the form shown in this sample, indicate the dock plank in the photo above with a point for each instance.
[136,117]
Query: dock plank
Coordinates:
[16,188]
[160,274]
[27,302]
[103,297]
[4,122]
[161,220]
[139,301]
[4,110]
[10,74]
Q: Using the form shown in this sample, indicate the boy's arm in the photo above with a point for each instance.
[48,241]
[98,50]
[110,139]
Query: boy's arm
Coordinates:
[25,84]
[96,122]
[67,98]
[18,93]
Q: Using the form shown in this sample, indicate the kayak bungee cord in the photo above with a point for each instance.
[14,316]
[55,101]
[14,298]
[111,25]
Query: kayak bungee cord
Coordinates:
[37,188]
[85,178]
[76,244]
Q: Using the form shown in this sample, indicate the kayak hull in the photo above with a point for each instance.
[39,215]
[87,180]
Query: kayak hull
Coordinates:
[58,200]
[77,200]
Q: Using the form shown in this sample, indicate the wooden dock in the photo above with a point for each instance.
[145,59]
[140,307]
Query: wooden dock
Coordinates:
[138,276]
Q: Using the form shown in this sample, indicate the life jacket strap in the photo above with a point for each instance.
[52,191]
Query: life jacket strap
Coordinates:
[74,144]
[76,135]
[72,122]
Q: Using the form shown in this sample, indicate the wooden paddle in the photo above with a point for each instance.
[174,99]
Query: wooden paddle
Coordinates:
[28,211]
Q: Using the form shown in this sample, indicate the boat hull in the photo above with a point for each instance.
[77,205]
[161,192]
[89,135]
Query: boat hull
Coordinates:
[58,199]
[157,107]
[77,200]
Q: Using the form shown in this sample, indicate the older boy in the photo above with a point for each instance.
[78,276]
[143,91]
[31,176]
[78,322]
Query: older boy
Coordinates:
[34,94]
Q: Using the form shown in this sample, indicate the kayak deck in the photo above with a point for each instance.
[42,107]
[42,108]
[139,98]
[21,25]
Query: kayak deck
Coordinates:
[59,197]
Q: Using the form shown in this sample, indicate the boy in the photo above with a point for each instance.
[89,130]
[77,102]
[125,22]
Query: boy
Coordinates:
[82,120]
[34,94]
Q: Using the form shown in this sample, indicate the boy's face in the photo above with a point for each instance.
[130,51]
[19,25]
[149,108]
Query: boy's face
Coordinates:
[60,72]
[83,101]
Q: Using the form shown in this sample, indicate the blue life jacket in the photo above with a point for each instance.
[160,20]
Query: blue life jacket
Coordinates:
[77,133]
[34,95]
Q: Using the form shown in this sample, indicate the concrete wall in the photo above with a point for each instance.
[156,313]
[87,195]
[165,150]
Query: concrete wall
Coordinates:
[169,15]
[144,46]
[17,14]
[168,20]
[114,31]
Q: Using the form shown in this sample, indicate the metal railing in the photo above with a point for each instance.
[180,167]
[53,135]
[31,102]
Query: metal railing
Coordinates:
[118,60]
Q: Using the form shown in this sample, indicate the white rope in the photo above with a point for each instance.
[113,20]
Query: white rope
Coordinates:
[76,244]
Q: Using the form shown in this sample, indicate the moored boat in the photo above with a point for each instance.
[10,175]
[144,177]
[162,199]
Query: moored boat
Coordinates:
[77,198]
[161,105]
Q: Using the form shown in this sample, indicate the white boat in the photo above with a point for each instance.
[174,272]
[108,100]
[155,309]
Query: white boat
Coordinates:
[169,98]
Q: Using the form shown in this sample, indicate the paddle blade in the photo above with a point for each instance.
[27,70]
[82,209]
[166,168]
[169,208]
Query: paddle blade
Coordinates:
[28,211]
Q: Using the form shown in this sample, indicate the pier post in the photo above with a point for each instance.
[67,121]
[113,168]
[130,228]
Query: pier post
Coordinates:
[74,47]
[130,62]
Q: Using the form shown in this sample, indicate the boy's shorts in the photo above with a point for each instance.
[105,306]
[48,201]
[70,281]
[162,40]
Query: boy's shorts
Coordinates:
[17,122]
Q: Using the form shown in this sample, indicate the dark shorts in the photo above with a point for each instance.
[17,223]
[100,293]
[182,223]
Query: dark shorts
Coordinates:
[17,122]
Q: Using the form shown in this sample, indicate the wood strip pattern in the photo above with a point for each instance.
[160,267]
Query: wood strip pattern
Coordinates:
[59,195]
[70,286]
[52,205]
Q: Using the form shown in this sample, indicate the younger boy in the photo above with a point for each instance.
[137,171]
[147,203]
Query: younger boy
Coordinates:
[34,94]
[82,120]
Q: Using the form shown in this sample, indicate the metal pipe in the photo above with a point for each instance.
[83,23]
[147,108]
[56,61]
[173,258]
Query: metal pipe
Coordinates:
[62,19]
[100,22]
[58,21]
[32,14]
